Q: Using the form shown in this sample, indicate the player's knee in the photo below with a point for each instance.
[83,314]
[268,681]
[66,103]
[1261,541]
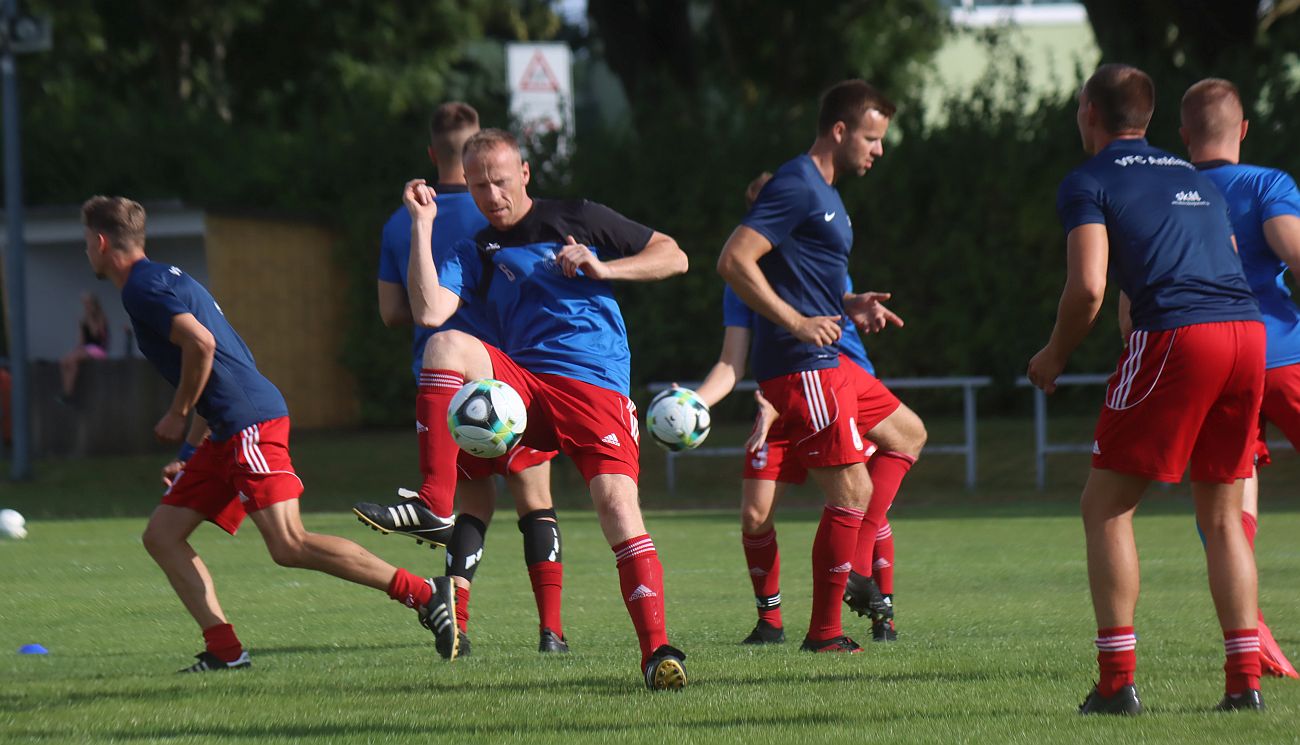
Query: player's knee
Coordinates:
[447,349]
[156,541]
[288,550]
[755,520]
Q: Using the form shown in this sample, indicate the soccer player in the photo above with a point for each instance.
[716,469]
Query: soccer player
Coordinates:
[1265,209]
[544,268]
[527,471]
[787,261]
[1187,387]
[767,471]
[235,461]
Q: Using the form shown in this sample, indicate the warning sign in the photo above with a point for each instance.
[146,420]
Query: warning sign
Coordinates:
[541,89]
[538,77]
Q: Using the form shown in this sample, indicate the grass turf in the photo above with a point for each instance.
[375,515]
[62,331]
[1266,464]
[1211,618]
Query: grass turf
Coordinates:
[994,622]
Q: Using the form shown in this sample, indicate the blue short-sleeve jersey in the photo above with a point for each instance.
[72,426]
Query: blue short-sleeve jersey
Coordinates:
[236,395]
[546,322]
[736,313]
[458,218]
[1170,239]
[804,219]
[1256,195]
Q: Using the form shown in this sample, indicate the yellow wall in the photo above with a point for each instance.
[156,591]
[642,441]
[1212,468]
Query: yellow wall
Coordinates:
[277,284]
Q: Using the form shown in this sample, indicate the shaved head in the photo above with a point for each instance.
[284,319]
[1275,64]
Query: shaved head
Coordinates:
[1212,111]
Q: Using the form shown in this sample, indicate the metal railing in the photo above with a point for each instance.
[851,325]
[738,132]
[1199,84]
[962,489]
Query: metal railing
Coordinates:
[968,447]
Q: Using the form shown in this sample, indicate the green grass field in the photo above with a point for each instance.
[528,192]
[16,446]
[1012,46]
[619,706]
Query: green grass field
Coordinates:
[994,622]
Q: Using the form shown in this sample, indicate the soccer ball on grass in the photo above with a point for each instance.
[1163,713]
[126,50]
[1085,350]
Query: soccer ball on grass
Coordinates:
[12,525]
[678,419]
[486,418]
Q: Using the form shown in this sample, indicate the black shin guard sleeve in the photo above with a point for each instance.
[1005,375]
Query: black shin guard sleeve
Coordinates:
[465,550]
[541,536]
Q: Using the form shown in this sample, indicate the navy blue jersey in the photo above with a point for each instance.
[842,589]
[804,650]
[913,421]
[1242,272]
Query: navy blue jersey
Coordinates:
[546,322]
[805,221]
[1255,196]
[1170,238]
[736,313]
[236,394]
[458,218]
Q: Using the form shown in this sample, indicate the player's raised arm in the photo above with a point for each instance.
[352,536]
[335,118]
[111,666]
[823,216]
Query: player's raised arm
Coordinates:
[198,348]
[1088,249]
[431,304]
[738,265]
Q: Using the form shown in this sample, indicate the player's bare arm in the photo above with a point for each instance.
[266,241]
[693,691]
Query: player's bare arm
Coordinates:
[394,305]
[1283,236]
[198,433]
[197,350]
[868,312]
[661,258]
[1087,249]
[738,265]
[727,370]
[431,303]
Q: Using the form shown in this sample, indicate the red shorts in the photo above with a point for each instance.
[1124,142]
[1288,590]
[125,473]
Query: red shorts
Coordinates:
[518,458]
[244,473]
[824,416]
[596,427]
[1190,393]
[1280,408]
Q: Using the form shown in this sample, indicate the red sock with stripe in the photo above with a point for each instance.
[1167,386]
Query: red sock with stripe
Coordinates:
[462,608]
[832,558]
[882,565]
[887,469]
[221,642]
[641,578]
[438,452]
[1241,668]
[547,578]
[764,562]
[408,589]
[1116,658]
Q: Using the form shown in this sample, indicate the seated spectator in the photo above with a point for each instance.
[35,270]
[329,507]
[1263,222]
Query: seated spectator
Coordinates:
[92,343]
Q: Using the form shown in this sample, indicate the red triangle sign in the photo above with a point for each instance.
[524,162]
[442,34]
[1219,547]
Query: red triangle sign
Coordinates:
[537,77]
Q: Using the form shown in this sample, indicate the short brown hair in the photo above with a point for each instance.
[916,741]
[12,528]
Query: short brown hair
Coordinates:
[490,139]
[848,101]
[1123,96]
[119,219]
[1212,110]
[451,124]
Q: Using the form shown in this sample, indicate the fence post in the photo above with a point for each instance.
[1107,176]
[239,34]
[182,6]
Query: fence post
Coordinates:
[1040,437]
[968,410]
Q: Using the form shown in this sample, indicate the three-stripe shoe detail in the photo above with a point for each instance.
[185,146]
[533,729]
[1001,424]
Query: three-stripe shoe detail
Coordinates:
[439,616]
[404,515]
[208,662]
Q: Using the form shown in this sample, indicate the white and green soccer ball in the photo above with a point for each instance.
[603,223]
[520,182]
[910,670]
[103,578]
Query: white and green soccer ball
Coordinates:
[486,418]
[678,420]
[12,525]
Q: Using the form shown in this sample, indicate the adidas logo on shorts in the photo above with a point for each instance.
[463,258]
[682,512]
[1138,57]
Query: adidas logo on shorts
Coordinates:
[611,439]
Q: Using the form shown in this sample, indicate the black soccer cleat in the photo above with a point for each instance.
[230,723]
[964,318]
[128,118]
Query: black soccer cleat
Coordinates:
[462,644]
[1124,702]
[666,669]
[439,616]
[863,597]
[841,644]
[409,517]
[765,633]
[1249,701]
[208,662]
[551,642]
[882,630]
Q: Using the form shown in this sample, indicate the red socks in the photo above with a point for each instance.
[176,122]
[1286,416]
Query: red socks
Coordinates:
[764,562]
[547,578]
[462,608]
[832,559]
[438,452]
[222,642]
[887,469]
[641,578]
[1117,659]
[1241,668]
[408,589]
[882,566]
